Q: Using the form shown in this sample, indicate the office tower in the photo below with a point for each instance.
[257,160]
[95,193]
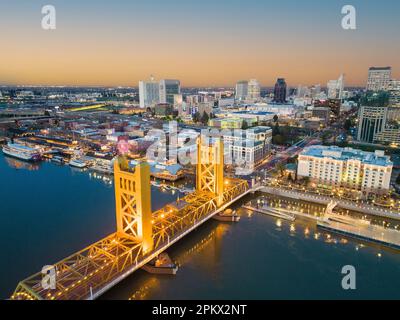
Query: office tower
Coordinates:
[168,89]
[253,90]
[371,121]
[335,88]
[241,90]
[148,93]
[378,78]
[349,168]
[280,91]
[315,91]
[394,93]
[302,92]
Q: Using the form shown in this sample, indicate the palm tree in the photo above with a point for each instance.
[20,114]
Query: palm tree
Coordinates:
[306,181]
[280,167]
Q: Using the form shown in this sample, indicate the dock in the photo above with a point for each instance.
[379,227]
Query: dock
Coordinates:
[272,212]
[369,233]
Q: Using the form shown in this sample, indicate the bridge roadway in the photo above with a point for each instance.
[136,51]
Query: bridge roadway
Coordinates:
[89,273]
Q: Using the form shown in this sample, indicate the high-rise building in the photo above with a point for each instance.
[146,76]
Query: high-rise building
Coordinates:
[335,88]
[302,92]
[336,167]
[253,90]
[241,90]
[378,78]
[148,93]
[394,92]
[280,91]
[371,121]
[168,89]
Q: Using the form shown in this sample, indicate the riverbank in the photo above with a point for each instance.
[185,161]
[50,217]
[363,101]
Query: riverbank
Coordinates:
[366,209]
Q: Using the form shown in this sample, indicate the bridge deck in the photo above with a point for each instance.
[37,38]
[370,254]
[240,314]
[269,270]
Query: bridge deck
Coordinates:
[90,272]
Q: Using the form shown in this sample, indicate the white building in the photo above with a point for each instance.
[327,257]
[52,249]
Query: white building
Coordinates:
[336,167]
[335,88]
[253,90]
[247,148]
[282,110]
[148,93]
[379,78]
[241,90]
[168,89]
[246,154]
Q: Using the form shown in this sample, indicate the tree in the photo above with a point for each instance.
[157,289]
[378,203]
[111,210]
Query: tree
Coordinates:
[279,140]
[280,167]
[196,117]
[275,130]
[375,99]
[306,181]
[324,137]
[205,118]
[347,125]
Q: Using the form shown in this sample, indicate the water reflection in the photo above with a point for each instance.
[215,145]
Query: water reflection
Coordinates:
[21,165]
[105,178]
[144,290]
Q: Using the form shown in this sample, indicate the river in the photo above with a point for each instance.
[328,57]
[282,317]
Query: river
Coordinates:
[50,211]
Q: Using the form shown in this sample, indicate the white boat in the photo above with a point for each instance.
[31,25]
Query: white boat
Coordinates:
[78,163]
[102,168]
[21,152]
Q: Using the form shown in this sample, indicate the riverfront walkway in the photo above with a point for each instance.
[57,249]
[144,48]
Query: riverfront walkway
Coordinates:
[345,204]
[370,233]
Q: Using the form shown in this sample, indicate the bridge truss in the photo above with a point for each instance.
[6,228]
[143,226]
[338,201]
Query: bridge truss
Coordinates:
[141,235]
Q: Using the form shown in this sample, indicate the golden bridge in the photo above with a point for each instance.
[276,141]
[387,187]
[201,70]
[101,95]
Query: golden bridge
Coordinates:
[141,234]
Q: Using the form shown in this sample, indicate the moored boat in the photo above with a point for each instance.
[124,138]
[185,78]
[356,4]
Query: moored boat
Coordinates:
[21,152]
[78,163]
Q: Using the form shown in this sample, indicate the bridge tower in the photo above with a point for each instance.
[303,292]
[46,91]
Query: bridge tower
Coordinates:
[210,168]
[133,202]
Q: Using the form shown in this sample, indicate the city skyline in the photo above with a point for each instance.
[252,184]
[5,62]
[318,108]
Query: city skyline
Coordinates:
[103,44]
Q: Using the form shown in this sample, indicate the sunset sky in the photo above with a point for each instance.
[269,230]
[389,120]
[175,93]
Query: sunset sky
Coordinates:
[202,43]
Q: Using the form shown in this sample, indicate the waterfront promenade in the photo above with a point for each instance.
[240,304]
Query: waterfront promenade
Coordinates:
[321,199]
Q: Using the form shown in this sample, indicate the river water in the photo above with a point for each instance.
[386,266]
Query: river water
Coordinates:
[50,211]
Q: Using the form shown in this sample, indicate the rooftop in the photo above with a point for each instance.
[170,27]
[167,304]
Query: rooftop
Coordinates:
[380,68]
[21,147]
[333,152]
